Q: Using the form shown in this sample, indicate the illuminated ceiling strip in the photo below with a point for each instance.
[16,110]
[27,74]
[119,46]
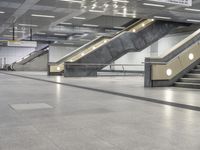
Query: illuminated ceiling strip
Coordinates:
[193,20]
[97,11]
[72,1]
[161,17]
[191,9]
[121,1]
[79,18]
[59,34]
[28,25]
[154,5]
[90,25]
[43,16]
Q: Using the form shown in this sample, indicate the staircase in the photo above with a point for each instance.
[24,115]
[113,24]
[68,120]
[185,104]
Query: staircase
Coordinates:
[191,79]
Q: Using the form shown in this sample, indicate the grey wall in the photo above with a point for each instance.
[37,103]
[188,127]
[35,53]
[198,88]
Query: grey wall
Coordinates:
[14,53]
[152,51]
[56,52]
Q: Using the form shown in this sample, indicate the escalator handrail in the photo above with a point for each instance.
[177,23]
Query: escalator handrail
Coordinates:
[173,52]
[37,53]
[92,42]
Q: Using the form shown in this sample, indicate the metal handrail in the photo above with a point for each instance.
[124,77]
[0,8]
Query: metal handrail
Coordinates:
[94,41]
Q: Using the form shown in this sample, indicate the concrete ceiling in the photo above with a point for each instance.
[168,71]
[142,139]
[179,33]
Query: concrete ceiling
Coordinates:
[107,14]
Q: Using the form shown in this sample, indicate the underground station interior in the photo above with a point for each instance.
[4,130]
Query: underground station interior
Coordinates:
[99,74]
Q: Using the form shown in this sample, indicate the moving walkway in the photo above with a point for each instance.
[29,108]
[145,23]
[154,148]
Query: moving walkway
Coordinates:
[105,50]
[35,61]
[179,66]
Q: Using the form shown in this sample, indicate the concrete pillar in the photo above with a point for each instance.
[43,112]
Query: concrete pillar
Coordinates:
[154,50]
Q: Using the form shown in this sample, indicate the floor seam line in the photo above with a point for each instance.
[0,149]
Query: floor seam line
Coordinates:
[152,100]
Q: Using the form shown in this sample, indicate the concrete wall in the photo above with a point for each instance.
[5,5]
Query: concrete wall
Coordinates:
[56,52]
[14,53]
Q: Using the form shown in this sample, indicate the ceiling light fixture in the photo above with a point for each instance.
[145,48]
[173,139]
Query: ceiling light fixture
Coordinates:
[119,27]
[190,9]
[43,16]
[2,12]
[193,20]
[90,25]
[28,25]
[121,1]
[154,5]
[59,34]
[72,1]
[79,18]
[66,23]
[97,11]
[161,17]
[17,31]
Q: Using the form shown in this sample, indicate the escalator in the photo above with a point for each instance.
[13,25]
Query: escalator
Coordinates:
[179,66]
[92,57]
[35,61]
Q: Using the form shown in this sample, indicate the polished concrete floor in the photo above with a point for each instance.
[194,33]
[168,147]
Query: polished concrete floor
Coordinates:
[88,114]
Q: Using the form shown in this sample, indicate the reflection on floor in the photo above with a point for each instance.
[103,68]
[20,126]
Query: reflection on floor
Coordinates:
[82,119]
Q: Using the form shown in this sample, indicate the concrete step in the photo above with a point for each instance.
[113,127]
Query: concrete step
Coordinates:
[192,75]
[190,80]
[196,71]
[187,85]
[198,67]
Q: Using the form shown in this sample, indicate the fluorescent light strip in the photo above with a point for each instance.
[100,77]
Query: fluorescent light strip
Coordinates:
[66,23]
[154,5]
[18,31]
[2,12]
[121,1]
[90,25]
[97,11]
[43,16]
[193,20]
[161,17]
[72,1]
[119,27]
[28,25]
[10,36]
[190,9]
[59,34]
[79,18]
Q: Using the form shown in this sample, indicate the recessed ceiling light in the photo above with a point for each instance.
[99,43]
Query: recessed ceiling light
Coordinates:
[90,25]
[79,18]
[193,20]
[162,17]
[190,9]
[43,16]
[2,12]
[154,5]
[28,25]
[72,1]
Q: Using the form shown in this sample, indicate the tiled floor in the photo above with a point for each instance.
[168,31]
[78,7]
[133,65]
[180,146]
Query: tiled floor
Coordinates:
[90,120]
